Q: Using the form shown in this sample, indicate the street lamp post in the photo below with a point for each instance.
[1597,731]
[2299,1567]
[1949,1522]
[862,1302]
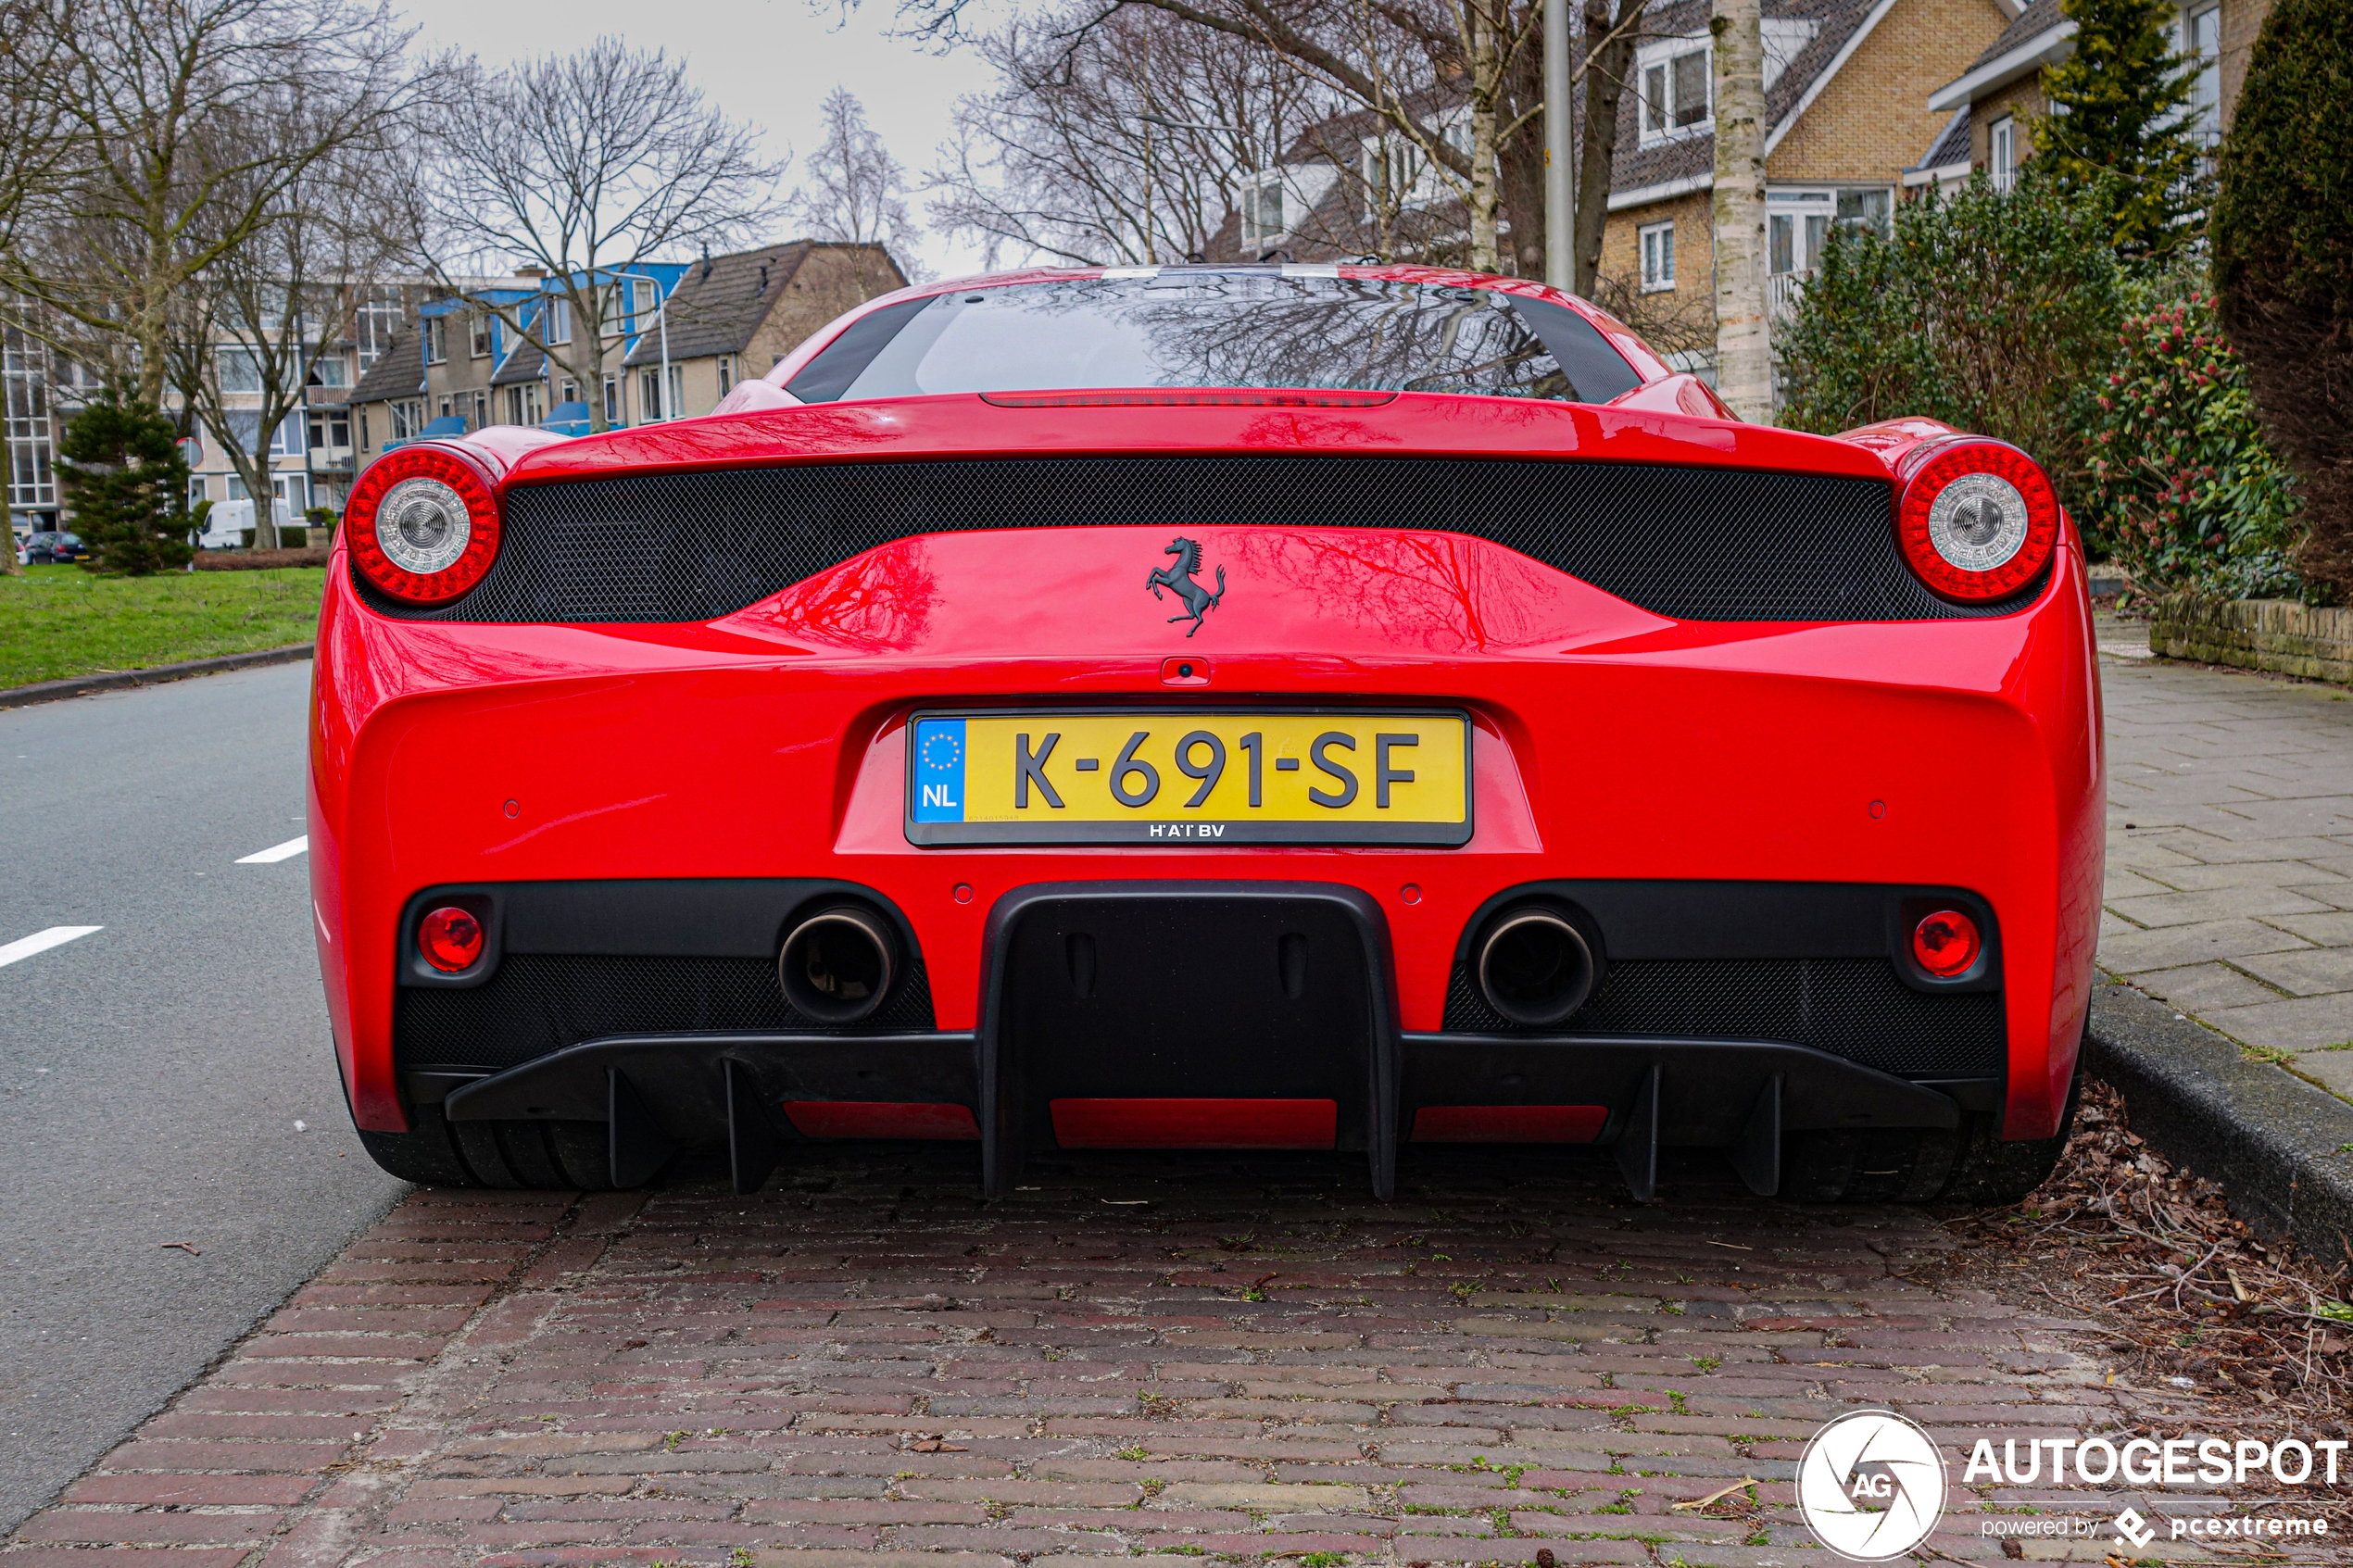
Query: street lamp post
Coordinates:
[1560,152]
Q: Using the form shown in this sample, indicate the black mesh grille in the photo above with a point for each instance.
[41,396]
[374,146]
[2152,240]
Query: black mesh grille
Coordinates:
[1852,1007]
[540,1002]
[1694,543]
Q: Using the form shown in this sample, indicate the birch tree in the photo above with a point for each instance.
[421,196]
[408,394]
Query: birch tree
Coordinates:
[1743,345]
[855,192]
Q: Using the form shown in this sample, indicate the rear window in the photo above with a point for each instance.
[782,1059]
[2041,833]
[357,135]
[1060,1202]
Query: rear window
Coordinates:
[1213,329]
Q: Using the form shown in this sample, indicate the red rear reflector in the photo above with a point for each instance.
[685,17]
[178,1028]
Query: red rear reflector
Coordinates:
[1196,1124]
[450,938]
[1509,1123]
[880,1119]
[1154,397]
[1946,943]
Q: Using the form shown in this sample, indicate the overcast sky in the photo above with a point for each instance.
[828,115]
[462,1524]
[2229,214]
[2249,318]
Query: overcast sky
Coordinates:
[770,62]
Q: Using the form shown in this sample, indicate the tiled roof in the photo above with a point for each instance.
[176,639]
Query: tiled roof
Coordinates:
[721,303]
[1637,166]
[2038,17]
[523,363]
[399,372]
[1952,144]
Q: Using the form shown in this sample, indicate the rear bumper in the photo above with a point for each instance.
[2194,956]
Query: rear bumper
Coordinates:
[1957,755]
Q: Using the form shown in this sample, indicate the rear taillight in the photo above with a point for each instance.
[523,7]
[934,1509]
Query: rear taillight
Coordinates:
[1978,520]
[422,525]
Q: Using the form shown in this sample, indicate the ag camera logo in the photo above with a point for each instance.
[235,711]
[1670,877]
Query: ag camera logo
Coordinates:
[1871,1485]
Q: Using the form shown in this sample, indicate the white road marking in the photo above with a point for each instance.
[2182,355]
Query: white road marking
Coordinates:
[42,941]
[276,852]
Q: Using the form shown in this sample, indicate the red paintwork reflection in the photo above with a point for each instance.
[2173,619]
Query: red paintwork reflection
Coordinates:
[881,602]
[1195,1123]
[881,1119]
[1509,1123]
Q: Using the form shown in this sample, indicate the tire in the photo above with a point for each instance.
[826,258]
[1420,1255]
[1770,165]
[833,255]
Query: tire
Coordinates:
[1967,1164]
[539,1156]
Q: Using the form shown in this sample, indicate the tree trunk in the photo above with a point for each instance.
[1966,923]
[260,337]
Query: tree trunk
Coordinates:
[1608,58]
[1743,347]
[1484,256]
[7,518]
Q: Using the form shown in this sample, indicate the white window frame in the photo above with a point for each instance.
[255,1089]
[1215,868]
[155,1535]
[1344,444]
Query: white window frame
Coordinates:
[1254,234]
[436,339]
[557,325]
[479,342]
[2205,106]
[2001,152]
[1655,246]
[1659,56]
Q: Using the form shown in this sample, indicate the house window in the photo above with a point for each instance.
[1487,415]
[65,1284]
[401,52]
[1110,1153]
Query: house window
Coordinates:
[2001,151]
[559,320]
[2202,41]
[571,392]
[364,442]
[531,403]
[330,430]
[436,339]
[612,401]
[1658,256]
[197,490]
[1864,209]
[240,368]
[1262,212]
[649,404]
[286,441]
[445,408]
[372,326]
[726,373]
[515,404]
[1674,79]
[479,334]
[481,409]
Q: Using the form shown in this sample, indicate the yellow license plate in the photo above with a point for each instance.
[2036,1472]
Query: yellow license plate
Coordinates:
[1175,776]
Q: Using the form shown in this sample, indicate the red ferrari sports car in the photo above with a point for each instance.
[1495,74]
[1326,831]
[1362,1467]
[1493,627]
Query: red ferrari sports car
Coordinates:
[1324,708]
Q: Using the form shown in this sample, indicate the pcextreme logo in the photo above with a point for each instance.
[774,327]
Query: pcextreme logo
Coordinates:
[1870,1486]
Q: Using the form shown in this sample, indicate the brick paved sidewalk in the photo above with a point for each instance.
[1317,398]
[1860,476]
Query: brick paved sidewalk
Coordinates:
[2230,875]
[865,1367]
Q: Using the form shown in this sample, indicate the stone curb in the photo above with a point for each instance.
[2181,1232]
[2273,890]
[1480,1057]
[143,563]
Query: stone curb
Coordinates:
[2271,1138]
[117,680]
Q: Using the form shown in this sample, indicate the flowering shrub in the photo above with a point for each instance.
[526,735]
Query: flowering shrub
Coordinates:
[2184,489]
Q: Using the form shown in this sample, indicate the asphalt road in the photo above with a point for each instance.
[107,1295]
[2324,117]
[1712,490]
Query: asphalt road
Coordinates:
[167,1078]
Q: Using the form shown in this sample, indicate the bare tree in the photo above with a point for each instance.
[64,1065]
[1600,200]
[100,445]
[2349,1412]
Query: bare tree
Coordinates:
[1117,138]
[1607,59]
[587,167]
[1452,77]
[30,153]
[1744,351]
[855,192]
[249,330]
[151,187]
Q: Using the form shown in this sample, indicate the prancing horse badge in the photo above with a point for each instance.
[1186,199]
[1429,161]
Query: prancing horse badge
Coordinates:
[1179,579]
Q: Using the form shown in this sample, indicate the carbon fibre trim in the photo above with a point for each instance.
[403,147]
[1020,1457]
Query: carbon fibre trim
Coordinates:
[1692,543]
[1857,1008]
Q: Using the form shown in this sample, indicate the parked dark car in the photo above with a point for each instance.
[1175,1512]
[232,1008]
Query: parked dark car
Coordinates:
[40,548]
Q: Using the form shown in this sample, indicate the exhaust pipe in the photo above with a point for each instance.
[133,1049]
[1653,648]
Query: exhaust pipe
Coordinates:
[1534,966]
[838,965]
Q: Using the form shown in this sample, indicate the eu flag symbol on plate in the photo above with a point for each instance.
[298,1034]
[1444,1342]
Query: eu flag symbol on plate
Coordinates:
[939,770]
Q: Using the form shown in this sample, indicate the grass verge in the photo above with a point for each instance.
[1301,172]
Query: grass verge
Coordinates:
[58,622]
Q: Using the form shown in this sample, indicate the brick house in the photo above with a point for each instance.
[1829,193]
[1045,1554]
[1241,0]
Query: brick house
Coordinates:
[697,326]
[1846,83]
[1996,99]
